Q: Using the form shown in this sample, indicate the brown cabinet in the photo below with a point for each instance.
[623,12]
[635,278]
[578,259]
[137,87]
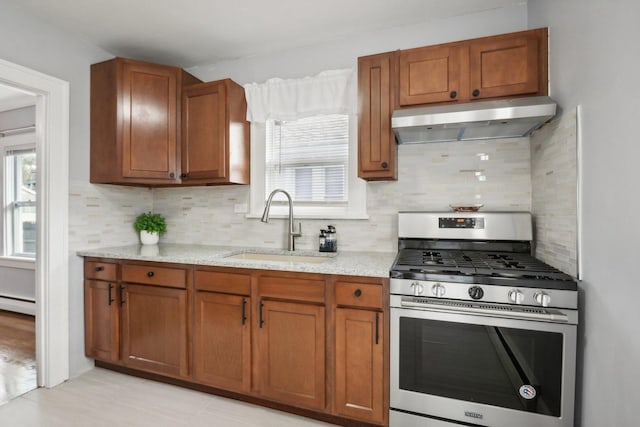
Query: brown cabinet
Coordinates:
[300,340]
[222,330]
[513,64]
[135,108]
[291,339]
[359,364]
[376,101]
[155,319]
[215,134]
[361,348]
[101,311]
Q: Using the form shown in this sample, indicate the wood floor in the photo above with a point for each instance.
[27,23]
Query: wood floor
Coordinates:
[106,398]
[17,355]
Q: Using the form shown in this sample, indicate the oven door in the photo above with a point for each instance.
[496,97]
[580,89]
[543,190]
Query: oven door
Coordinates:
[481,370]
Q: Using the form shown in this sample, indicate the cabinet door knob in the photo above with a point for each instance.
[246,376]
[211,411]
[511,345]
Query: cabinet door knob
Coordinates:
[183,175]
[150,274]
[172,175]
[357,292]
[476,92]
[99,269]
[453,94]
[384,165]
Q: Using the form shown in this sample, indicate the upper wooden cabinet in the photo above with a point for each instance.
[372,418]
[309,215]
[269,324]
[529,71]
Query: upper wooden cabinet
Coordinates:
[215,134]
[376,101]
[134,122]
[507,65]
[433,74]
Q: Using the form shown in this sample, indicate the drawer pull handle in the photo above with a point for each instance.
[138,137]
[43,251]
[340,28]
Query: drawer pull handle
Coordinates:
[357,292]
[244,310]
[99,269]
[261,318]
[150,274]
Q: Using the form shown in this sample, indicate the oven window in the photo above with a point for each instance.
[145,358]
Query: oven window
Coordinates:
[484,364]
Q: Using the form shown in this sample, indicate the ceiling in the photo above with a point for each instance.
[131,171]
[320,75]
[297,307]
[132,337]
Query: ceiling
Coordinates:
[11,98]
[188,33]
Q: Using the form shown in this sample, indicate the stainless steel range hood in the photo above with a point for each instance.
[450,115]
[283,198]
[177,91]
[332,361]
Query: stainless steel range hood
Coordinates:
[505,118]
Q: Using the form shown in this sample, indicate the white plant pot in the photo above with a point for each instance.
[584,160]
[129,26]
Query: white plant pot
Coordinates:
[149,238]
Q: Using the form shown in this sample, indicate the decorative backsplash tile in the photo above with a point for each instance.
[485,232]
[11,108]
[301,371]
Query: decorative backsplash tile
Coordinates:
[554,189]
[431,176]
[103,215]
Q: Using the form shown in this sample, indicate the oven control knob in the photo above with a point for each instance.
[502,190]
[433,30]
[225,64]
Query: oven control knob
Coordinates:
[476,292]
[417,288]
[542,298]
[438,290]
[516,296]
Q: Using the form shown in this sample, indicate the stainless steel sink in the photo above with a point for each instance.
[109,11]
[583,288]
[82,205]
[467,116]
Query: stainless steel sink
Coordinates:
[252,256]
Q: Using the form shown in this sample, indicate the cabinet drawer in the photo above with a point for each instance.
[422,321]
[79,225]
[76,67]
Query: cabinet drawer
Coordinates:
[292,288]
[359,295]
[101,270]
[228,283]
[153,275]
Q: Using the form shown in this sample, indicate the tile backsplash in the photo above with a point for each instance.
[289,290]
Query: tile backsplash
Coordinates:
[495,173]
[555,192]
[431,176]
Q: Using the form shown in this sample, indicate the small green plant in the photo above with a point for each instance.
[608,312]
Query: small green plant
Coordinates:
[150,222]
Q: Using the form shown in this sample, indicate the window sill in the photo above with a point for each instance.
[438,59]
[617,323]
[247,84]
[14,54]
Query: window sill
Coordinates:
[308,212]
[17,262]
[308,216]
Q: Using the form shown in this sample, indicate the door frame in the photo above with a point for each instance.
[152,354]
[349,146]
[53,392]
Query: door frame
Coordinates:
[52,216]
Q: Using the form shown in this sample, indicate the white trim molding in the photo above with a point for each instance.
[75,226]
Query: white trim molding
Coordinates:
[52,263]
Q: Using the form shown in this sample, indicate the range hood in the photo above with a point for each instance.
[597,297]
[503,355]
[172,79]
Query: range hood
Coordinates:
[505,118]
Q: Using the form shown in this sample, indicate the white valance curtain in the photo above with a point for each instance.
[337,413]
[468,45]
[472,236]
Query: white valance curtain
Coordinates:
[328,92]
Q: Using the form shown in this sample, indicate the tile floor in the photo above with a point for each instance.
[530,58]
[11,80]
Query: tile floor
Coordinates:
[105,398]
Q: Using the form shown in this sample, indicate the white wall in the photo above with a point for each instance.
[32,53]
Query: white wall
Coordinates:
[33,43]
[344,53]
[594,63]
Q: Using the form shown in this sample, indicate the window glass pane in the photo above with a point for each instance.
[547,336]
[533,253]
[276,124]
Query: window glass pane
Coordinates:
[24,232]
[308,158]
[20,212]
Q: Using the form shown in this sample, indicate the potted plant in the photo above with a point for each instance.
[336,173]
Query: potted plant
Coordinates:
[151,226]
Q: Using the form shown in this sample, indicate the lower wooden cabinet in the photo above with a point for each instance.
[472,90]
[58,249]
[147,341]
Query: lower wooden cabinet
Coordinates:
[154,329]
[359,364]
[292,353]
[310,341]
[101,320]
[222,341]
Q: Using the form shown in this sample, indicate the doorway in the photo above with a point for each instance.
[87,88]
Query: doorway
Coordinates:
[52,263]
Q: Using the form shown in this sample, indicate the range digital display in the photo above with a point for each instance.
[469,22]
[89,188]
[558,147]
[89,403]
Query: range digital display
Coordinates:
[457,222]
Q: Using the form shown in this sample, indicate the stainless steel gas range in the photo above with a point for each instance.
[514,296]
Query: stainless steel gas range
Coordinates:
[482,333]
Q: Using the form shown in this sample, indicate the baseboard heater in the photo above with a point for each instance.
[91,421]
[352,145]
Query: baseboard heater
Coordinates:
[18,305]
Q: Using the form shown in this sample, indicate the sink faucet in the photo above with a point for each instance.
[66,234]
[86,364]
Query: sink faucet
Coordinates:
[292,233]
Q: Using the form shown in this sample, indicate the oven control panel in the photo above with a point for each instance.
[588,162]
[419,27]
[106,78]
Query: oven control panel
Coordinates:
[460,222]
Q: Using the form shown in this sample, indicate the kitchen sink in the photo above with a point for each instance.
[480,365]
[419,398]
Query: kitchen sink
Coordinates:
[252,256]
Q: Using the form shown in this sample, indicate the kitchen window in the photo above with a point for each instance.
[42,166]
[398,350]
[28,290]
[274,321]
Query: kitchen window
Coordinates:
[303,140]
[19,200]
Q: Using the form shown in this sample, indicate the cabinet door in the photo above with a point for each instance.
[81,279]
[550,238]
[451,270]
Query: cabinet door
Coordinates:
[222,341]
[204,124]
[292,353]
[359,364]
[149,133]
[376,140]
[508,65]
[433,74]
[154,329]
[101,320]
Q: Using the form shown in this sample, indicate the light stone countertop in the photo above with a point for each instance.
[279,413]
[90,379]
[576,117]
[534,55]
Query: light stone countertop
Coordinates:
[372,264]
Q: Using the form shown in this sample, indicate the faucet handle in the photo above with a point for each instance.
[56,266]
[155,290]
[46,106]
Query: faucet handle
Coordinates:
[299,232]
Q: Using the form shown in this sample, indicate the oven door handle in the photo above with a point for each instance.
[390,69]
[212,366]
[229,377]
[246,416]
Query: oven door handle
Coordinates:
[496,311]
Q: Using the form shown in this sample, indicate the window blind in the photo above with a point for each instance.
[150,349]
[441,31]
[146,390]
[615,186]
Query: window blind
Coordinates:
[308,158]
